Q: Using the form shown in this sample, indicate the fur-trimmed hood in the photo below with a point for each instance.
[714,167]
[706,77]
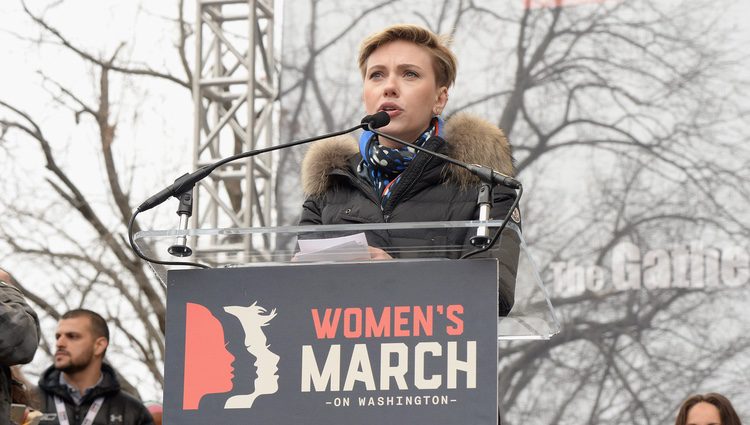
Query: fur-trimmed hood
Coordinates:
[469,139]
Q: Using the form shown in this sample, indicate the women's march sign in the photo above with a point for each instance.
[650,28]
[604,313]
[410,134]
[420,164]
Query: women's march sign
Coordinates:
[362,343]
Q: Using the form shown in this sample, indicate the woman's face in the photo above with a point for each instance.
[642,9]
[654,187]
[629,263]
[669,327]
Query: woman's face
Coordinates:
[400,80]
[703,414]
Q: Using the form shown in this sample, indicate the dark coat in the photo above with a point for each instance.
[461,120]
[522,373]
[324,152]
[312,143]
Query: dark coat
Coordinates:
[19,337]
[119,408]
[429,190]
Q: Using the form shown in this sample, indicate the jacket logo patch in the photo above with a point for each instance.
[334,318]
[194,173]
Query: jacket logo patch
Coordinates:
[48,417]
[115,418]
[516,216]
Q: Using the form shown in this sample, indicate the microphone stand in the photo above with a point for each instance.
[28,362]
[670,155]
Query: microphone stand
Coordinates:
[184,210]
[183,186]
[485,204]
[488,178]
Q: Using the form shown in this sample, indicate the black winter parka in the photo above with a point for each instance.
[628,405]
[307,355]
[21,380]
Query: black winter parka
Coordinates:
[429,190]
[19,337]
[119,408]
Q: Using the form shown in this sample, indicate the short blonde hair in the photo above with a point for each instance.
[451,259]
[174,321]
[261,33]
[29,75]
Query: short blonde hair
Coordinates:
[443,60]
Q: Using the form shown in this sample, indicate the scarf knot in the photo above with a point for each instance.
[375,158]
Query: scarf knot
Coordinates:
[383,165]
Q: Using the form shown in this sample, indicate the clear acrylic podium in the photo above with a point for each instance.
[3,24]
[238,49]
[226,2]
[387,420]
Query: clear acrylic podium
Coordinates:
[531,317]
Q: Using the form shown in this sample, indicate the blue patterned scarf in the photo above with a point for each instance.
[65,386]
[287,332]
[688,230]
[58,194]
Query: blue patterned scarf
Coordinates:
[384,165]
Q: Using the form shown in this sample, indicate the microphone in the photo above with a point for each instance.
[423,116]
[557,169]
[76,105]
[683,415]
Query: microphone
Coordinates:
[183,186]
[186,182]
[377,120]
[485,174]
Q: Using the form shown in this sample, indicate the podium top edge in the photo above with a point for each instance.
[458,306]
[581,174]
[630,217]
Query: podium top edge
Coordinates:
[293,230]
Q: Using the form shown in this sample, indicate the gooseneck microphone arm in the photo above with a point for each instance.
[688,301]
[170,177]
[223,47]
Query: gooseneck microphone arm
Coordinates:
[486,175]
[186,182]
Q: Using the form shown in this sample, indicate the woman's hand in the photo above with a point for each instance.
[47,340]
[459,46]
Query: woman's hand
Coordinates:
[378,254]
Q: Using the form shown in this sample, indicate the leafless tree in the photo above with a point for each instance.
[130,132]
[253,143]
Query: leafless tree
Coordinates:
[627,87]
[627,120]
[71,232]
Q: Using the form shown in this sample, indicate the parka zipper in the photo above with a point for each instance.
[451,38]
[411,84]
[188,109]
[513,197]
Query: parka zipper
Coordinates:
[367,189]
[401,190]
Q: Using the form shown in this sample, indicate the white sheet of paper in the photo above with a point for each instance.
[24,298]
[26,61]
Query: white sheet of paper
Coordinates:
[344,248]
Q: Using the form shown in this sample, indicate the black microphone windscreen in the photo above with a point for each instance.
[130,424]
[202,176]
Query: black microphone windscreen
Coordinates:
[377,120]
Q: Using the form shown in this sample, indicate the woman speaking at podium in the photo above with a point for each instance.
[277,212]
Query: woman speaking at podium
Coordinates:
[407,71]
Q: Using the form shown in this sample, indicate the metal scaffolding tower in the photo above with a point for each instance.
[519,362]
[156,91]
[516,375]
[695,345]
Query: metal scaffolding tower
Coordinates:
[235,83]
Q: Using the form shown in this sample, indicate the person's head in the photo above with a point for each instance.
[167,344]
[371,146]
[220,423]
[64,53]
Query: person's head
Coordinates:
[707,409]
[21,391]
[82,338]
[407,71]
[156,412]
[7,277]
[208,363]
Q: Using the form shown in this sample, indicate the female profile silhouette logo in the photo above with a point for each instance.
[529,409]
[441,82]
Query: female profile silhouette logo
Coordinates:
[253,320]
[208,364]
